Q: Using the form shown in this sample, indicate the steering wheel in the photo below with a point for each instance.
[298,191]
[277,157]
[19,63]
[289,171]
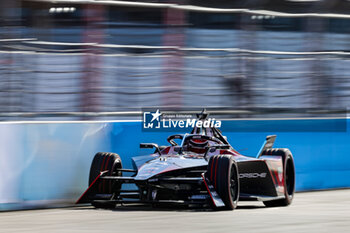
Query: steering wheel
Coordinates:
[171,138]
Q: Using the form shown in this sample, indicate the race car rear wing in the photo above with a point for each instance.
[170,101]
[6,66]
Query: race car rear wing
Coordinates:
[270,140]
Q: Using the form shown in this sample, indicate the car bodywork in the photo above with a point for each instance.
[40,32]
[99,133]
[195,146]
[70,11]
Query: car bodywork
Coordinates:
[176,175]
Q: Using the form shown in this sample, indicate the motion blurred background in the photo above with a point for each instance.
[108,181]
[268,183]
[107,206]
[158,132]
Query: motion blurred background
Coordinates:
[109,60]
[65,59]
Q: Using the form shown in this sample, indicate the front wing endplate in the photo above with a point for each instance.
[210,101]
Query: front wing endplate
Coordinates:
[212,192]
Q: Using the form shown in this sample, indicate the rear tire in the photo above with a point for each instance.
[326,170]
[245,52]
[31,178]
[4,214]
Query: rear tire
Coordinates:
[223,174]
[109,162]
[288,177]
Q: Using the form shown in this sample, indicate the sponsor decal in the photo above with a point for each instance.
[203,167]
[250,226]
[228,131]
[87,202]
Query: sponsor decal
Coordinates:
[198,197]
[252,175]
[158,120]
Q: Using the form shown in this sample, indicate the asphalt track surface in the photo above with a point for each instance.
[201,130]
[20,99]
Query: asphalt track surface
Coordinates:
[326,211]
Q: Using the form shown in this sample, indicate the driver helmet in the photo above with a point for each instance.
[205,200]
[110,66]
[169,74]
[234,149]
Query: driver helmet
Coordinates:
[198,146]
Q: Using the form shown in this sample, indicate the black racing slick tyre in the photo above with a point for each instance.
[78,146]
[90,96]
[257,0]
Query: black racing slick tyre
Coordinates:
[288,176]
[109,162]
[223,174]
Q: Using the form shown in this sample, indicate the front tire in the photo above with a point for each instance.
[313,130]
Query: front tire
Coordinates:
[109,162]
[223,174]
[288,177]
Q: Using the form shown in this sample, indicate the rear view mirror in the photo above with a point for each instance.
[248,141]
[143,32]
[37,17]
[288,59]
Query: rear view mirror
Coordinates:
[150,146]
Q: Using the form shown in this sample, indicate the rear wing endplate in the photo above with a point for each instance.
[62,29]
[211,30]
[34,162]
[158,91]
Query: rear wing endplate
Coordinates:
[270,140]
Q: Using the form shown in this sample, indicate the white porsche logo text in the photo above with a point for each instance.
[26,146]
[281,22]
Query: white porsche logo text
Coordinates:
[252,175]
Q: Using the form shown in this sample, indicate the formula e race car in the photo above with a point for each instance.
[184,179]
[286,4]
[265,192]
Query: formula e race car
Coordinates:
[203,169]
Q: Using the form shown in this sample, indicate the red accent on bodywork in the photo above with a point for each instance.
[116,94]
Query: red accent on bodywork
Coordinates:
[224,152]
[166,150]
[206,185]
[93,182]
[273,169]
[278,180]
[199,140]
[231,152]
[273,178]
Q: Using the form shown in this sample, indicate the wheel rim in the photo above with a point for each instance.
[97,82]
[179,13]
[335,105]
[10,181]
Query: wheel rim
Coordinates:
[233,184]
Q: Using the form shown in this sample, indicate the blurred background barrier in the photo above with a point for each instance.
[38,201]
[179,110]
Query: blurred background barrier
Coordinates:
[111,56]
[47,164]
